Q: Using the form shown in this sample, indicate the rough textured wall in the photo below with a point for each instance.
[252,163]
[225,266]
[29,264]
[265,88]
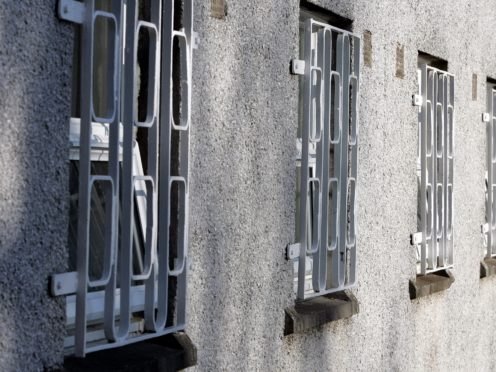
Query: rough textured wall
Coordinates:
[35,97]
[243,185]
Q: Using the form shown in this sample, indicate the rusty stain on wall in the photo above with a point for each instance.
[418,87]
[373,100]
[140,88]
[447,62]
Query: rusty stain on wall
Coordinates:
[218,9]
[367,48]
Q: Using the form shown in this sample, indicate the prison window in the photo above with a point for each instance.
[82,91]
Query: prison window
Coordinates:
[435,100]
[129,173]
[325,261]
[488,266]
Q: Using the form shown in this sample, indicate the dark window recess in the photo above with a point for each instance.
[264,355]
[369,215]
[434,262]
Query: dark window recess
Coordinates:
[310,10]
[488,267]
[436,62]
[164,354]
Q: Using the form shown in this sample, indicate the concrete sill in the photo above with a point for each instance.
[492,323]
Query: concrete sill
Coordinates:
[488,267]
[425,285]
[318,311]
[164,354]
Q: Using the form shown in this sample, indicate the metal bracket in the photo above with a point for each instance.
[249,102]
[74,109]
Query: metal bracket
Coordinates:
[485,228]
[195,42]
[486,117]
[293,251]
[416,239]
[417,100]
[63,284]
[72,11]
[297,67]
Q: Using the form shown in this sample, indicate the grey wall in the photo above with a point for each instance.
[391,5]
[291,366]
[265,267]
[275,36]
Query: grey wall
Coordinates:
[243,185]
[35,91]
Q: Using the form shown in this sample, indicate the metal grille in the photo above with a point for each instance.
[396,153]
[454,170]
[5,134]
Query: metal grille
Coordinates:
[328,172]
[436,133]
[122,293]
[489,229]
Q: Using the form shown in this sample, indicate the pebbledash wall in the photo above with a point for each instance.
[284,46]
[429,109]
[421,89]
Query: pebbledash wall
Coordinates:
[242,192]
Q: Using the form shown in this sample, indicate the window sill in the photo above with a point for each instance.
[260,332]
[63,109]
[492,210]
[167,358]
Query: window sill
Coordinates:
[164,354]
[426,285]
[488,267]
[318,311]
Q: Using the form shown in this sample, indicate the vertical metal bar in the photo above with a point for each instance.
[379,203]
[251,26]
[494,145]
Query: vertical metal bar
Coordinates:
[127,205]
[87,33]
[451,139]
[338,160]
[490,209]
[325,148]
[307,104]
[343,67]
[156,316]
[492,168]
[444,216]
[353,142]
[491,101]
[432,172]
[114,133]
[154,76]
[316,196]
[423,168]
[450,144]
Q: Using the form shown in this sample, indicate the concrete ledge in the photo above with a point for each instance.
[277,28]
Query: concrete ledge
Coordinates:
[164,354]
[488,267]
[424,285]
[318,311]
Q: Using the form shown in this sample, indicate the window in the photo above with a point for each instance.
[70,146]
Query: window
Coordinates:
[489,228]
[435,99]
[129,168]
[327,160]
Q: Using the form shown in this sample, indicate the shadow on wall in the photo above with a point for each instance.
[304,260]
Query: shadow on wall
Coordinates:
[35,104]
[242,193]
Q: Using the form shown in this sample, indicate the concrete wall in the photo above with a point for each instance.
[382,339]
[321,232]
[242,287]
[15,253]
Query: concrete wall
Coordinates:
[243,183]
[35,102]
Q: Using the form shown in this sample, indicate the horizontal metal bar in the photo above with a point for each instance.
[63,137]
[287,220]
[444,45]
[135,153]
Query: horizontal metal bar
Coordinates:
[336,29]
[99,335]
[96,304]
[309,295]
[443,72]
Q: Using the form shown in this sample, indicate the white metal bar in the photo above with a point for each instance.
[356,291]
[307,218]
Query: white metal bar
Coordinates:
[490,163]
[436,123]
[112,308]
[328,177]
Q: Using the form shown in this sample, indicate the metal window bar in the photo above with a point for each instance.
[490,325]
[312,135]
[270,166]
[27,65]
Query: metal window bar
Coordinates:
[436,143]
[327,220]
[121,306]
[489,230]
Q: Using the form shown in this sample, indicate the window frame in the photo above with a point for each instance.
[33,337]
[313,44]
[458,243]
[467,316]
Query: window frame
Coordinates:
[312,156]
[489,228]
[119,295]
[441,258]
